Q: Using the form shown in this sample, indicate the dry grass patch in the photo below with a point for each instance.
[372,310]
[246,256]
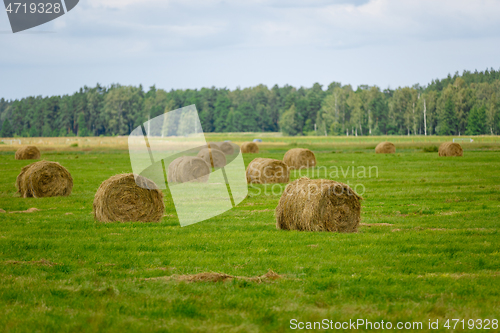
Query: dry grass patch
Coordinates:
[30,210]
[218,277]
[376,224]
[41,262]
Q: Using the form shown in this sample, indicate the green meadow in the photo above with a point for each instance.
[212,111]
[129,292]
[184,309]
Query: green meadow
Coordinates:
[428,248]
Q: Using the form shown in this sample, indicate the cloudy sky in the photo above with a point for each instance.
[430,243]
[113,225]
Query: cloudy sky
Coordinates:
[204,43]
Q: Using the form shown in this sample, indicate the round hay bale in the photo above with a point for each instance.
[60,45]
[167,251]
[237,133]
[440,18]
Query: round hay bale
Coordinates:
[385,148]
[226,148]
[188,169]
[44,179]
[214,145]
[318,205]
[28,153]
[267,171]
[450,149]
[120,199]
[299,158]
[213,157]
[249,147]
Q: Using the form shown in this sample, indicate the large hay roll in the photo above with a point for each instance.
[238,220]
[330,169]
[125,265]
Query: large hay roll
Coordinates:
[318,205]
[120,199]
[249,147]
[385,148]
[188,169]
[214,145]
[226,148]
[450,149]
[28,153]
[298,158]
[267,171]
[44,179]
[213,157]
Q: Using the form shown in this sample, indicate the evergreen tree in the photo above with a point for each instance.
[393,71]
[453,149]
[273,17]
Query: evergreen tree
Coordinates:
[447,119]
[82,127]
[288,124]
[476,124]
[7,131]
[221,112]
[46,130]
[244,119]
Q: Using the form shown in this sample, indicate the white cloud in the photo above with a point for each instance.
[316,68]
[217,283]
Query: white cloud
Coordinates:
[247,34]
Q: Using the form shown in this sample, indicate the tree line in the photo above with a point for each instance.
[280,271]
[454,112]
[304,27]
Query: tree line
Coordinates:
[456,105]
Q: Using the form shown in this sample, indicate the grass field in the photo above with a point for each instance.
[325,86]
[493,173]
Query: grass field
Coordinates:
[428,249]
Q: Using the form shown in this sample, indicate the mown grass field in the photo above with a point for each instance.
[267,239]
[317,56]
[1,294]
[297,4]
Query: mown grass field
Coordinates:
[429,249]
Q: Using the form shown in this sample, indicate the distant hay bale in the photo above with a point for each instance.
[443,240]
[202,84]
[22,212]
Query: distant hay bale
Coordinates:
[44,179]
[226,148]
[318,205]
[385,148]
[120,199]
[249,147]
[188,169]
[299,158]
[28,153]
[450,149]
[214,145]
[267,171]
[213,157]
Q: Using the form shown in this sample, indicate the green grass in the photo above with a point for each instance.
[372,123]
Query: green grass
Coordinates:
[438,259]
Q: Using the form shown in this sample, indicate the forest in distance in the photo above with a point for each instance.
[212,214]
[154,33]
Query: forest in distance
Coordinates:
[462,104]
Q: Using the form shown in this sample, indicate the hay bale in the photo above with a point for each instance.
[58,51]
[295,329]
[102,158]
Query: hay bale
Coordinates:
[450,149]
[44,179]
[298,158]
[120,199]
[226,148]
[385,148]
[214,145]
[213,157]
[28,153]
[318,205]
[188,169]
[249,147]
[267,171]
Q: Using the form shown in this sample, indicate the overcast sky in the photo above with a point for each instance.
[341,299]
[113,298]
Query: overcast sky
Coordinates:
[203,43]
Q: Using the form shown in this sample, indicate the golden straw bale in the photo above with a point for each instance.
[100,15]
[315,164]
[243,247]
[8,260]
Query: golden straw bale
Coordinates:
[450,149]
[298,158]
[188,169]
[226,148]
[249,147]
[214,145]
[213,157]
[318,205]
[44,179]
[267,171]
[120,199]
[28,153]
[385,148]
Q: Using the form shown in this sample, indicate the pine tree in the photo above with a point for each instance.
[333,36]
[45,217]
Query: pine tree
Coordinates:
[476,124]
[448,119]
[82,127]
[221,113]
[288,124]
[7,131]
